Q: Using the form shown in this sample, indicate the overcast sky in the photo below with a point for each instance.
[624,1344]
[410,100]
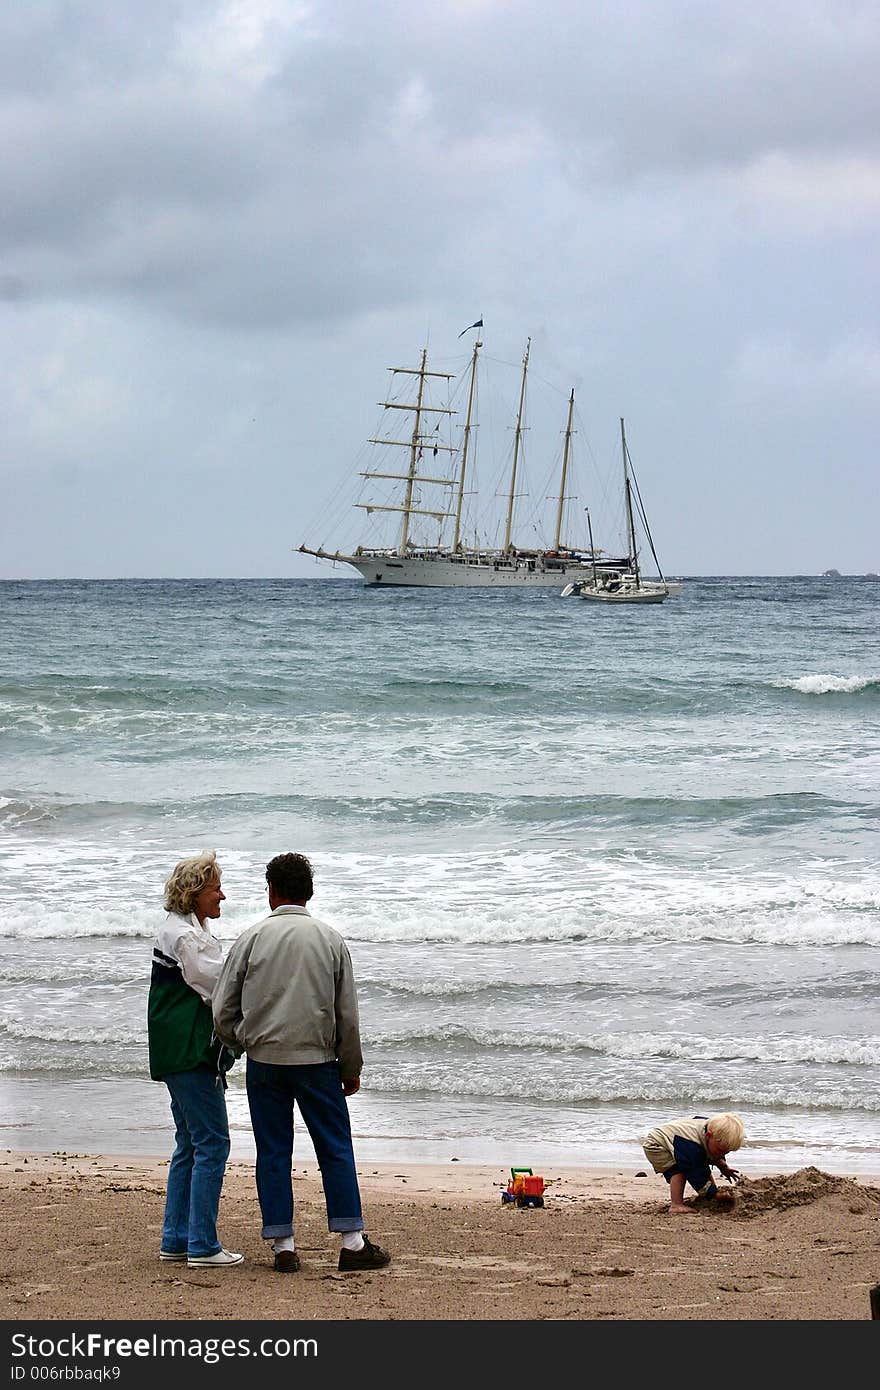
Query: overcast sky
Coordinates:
[222,219]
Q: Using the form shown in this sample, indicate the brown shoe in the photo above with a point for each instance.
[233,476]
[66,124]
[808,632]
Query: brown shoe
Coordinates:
[369,1257]
[287,1262]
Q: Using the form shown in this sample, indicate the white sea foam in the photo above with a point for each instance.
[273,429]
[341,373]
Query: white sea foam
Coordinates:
[504,899]
[77,1062]
[804,926]
[655,1092]
[35,924]
[45,1032]
[20,811]
[862,1052]
[828,684]
[29,972]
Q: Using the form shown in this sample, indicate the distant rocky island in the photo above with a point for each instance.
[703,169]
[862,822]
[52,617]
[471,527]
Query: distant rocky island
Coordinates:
[835,574]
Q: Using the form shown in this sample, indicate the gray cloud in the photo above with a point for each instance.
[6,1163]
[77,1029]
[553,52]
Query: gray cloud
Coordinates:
[213,214]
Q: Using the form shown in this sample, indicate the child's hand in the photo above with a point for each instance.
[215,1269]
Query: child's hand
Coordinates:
[725,1194]
[730,1173]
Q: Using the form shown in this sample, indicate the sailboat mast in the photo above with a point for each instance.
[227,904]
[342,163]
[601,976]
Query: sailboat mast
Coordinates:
[522,397]
[414,456]
[464,451]
[563,479]
[592,547]
[627,490]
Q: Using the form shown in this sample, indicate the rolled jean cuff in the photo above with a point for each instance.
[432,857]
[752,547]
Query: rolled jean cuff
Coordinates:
[342,1224]
[284,1228]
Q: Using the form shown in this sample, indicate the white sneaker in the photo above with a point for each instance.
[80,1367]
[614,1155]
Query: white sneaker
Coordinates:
[222,1260]
[175,1255]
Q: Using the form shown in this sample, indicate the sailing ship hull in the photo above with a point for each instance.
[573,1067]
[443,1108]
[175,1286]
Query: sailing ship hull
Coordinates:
[448,572]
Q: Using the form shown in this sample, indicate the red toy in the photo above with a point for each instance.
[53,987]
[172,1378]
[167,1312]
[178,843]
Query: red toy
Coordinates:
[525,1188]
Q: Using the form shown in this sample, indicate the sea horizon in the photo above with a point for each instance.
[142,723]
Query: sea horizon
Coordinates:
[356,578]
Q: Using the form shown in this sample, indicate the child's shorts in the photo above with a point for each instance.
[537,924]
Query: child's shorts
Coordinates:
[660,1160]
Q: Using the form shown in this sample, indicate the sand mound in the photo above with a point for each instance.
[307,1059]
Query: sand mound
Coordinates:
[784,1190]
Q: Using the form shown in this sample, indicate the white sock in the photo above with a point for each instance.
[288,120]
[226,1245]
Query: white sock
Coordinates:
[282,1243]
[352,1240]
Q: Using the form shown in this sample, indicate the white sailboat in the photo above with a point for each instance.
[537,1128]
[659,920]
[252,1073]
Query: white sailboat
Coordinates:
[422,499]
[625,584]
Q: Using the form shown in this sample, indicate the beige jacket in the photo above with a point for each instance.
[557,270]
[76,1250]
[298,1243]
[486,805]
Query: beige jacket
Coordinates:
[286,994]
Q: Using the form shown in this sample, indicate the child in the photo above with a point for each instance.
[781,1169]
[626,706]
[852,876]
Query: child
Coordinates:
[685,1151]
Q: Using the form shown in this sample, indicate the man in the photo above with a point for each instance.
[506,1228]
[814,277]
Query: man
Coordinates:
[286,996]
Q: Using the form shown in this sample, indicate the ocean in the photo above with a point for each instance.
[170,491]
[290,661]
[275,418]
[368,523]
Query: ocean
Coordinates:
[596,868]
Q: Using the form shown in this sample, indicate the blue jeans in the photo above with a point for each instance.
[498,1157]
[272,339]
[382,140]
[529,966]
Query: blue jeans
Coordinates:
[317,1090]
[195,1176]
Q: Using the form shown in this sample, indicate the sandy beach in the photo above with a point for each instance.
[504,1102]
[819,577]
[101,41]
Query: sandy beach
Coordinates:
[80,1238]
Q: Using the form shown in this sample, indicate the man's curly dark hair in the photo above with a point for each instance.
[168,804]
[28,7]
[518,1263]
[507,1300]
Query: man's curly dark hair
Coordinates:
[290,875]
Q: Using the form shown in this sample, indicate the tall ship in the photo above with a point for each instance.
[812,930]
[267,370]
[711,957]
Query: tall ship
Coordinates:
[436,542]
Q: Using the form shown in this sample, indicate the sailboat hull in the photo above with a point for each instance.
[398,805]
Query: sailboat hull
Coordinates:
[643,593]
[637,596]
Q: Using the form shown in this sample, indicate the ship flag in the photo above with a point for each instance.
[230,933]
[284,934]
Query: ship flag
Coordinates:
[478,324]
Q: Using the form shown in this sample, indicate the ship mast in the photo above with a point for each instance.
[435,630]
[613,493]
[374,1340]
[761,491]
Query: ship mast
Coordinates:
[565,454]
[464,451]
[627,490]
[413,457]
[522,397]
[415,445]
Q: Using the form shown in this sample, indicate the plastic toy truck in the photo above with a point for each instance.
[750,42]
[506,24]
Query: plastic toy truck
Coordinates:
[525,1188]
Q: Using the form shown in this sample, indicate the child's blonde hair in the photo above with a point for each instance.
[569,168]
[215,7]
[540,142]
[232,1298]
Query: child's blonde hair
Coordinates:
[727,1130]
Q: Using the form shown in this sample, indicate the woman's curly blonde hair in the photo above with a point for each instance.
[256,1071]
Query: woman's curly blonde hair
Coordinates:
[187,880]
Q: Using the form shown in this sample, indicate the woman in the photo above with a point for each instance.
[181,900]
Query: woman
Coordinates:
[186,1056]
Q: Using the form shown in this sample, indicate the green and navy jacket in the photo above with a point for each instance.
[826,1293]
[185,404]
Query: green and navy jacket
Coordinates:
[180,1026]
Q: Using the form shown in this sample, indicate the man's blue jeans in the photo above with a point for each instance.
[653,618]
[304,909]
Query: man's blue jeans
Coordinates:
[195,1176]
[317,1090]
